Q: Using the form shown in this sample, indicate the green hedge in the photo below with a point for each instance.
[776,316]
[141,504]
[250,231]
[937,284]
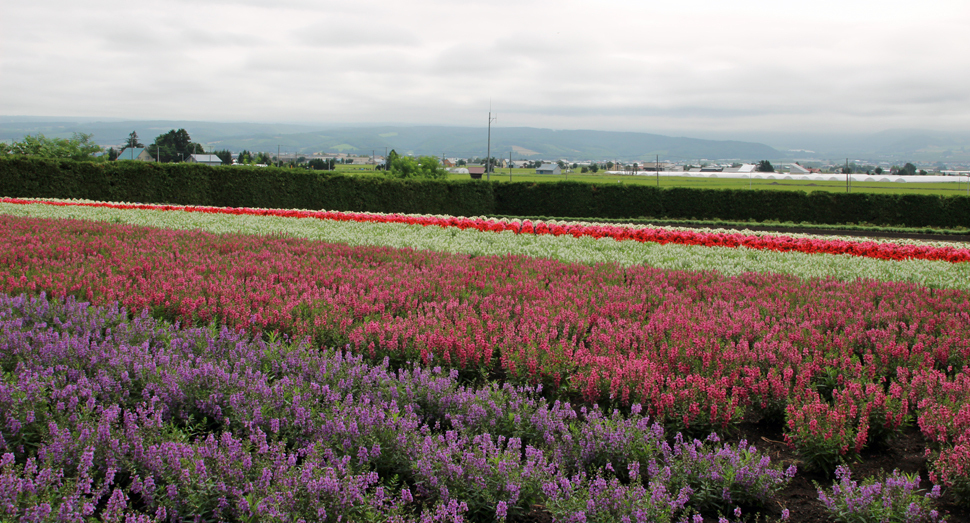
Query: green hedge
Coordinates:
[269,187]
[293,188]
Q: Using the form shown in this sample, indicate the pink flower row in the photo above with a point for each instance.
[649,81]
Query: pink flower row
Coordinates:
[868,249]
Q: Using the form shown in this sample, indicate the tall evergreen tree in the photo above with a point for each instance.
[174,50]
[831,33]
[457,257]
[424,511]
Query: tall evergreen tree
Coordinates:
[133,141]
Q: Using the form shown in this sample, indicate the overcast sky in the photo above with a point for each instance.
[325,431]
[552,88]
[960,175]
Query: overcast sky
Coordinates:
[689,66]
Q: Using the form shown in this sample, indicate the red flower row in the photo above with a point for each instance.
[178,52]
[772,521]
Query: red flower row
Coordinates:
[867,249]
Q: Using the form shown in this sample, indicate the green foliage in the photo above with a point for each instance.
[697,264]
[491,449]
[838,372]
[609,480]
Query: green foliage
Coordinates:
[174,146]
[391,156]
[133,141]
[79,147]
[307,189]
[764,166]
[263,159]
[225,156]
[319,164]
[423,167]
[240,186]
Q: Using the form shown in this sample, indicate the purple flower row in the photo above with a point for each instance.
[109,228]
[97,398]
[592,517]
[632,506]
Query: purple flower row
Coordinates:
[896,498]
[131,419]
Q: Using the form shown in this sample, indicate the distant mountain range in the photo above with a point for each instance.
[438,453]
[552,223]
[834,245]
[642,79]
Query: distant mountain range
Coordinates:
[895,146]
[907,145]
[523,142]
[464,142]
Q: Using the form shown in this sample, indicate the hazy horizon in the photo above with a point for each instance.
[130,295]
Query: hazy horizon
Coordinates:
[705,134]
[898,145]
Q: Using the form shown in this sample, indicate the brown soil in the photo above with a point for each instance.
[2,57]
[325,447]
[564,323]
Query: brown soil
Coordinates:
[906,452]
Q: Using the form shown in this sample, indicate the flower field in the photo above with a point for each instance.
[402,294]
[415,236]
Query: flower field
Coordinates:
[884,250]
[277,377]
[567,248]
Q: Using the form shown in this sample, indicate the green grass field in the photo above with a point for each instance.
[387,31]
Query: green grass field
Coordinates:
[529,175]
[350,169]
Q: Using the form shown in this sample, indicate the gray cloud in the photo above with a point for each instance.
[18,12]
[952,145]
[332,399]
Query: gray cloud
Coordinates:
[623,64]
[365,34]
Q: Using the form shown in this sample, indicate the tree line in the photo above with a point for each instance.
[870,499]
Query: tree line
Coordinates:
[177,146]
[171,147]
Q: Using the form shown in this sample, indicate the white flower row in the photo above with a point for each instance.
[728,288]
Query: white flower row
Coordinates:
[861,238]
[728,261]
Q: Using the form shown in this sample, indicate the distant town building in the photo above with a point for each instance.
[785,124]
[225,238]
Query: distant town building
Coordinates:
[548,168]
[205,159]
[798,169]
[743,168]
[135,153]
[654,166]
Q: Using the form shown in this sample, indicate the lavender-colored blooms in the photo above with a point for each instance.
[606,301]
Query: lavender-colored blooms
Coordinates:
[596,498]
[895,498]
[142,421]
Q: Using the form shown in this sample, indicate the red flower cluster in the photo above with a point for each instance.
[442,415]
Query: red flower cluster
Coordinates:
[868,249]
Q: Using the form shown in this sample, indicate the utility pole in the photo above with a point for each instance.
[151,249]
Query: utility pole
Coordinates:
[510,166]
[488,154]
[846,175]
[656,166]
[277,156]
